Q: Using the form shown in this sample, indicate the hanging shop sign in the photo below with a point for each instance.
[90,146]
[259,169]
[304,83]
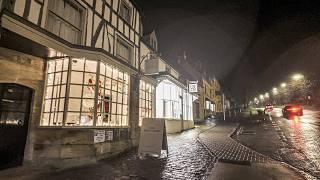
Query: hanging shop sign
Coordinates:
[193,86]
[153,137]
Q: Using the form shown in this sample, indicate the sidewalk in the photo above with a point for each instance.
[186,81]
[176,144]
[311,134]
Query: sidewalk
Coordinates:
[236,161]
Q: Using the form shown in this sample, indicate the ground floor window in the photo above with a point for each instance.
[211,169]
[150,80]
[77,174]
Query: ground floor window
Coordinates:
[82,92]
[146,99]
[173,101]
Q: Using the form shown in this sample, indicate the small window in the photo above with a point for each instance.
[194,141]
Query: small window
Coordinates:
[125,12]
[124,49]
[65,19]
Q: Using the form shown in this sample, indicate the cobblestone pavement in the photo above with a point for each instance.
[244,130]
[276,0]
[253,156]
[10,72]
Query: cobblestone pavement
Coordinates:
[220,143]
[188,159]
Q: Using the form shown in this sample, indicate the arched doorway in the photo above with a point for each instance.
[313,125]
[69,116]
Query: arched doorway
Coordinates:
[15,102]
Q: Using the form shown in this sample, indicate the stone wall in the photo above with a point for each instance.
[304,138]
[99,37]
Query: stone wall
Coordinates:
[26,70]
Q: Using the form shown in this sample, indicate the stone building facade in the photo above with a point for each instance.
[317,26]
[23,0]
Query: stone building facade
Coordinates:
[79,61]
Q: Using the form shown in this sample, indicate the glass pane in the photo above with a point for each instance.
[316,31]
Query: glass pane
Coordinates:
[125,110]
[107,93]
[119,98]
[90,79]
[114,96]
[66,64]
[114,85]
[88,105]
[74,105]
[45,119]
[108,83]
[120,87]
[47,105]
[57,79]
[113,120]
[126,79]
[109,71]
[86,119]
[72,119]
[125,89]
[91,66]
[77,77]
[59,65]
[88,91]
[78,64]
[114,108]
[63,91]
[124,120]
[120,76]
[119,108]
[51,66]
[102,69]
[49,92]
[64,78]
[115,74]
[61,105]
[75,91]
[50,79]
[125,99]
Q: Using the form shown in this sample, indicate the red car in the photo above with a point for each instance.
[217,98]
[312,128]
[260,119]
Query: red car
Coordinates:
[292,110]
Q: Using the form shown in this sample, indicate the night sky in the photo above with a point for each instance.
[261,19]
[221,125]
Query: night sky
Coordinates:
[239,42]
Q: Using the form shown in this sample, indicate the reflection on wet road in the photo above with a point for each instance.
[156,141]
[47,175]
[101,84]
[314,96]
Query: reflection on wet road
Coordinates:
[303,135]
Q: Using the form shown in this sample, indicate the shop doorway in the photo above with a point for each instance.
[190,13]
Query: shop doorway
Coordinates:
[15,102]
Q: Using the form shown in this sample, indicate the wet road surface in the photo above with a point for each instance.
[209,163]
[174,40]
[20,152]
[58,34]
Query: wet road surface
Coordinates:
[302,136]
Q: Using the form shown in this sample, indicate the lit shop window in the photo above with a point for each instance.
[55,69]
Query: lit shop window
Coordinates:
[112,107]
[173,101]
[146,101]
[97,94]
[55,93]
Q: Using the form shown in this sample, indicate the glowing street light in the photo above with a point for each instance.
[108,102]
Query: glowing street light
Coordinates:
[266,95]
[261,97]
[283,85]
[297,77]
[275,91]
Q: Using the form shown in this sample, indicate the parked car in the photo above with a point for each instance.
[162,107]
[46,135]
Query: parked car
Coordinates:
[292,110]
[268,108]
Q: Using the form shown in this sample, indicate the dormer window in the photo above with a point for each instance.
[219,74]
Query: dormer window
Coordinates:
[125,11]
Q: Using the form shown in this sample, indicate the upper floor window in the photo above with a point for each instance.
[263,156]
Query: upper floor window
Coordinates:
[124,49]
[125,12]
[65,19]
[7,4]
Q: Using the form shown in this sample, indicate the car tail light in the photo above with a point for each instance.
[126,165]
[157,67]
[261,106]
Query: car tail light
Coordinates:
[294,109]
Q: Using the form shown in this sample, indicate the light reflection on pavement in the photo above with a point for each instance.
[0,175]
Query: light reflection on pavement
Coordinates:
[303,134]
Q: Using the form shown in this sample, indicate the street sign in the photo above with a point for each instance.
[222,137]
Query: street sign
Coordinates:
[193,86]
[153,137]
[99,136]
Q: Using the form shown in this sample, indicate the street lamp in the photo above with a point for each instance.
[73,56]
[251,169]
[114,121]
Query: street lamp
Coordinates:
[275,91]
[266,95]
[283,85]
[261,97]
[297,77]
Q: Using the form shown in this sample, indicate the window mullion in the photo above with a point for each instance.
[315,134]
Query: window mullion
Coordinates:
[66,103]
[96,94]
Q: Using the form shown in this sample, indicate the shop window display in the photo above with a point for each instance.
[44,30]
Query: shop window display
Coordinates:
[97,94]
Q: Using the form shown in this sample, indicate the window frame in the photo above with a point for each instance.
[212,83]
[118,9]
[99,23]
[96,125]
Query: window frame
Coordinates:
[129,8]
[83,20]
[123,42]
